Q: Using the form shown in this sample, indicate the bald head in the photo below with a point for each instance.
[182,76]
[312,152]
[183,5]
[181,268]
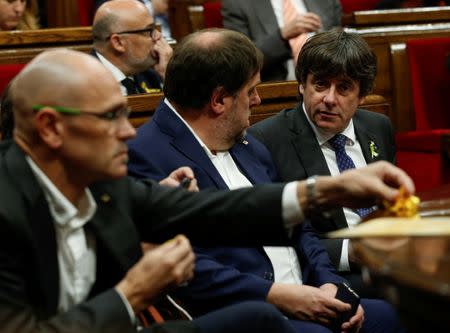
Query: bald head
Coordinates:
[59,77]
[115,15]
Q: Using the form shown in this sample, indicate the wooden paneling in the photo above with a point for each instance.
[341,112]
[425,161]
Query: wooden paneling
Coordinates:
[397,16]
[274,97]
[22,46]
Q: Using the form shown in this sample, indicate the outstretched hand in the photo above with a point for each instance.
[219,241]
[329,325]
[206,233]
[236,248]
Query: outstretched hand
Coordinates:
[361,187]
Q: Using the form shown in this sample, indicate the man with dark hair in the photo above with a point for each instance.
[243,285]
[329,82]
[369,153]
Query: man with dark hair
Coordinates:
[335,70]
[210,87]
[71,222]
[127,42]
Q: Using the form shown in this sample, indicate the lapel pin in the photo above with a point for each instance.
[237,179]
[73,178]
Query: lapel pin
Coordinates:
[245,142]
[373,150]
[105,198]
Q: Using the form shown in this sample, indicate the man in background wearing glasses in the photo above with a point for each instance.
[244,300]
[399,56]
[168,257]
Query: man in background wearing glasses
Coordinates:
[128,44]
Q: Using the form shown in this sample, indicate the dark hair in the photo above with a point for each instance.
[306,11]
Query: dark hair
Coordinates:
[337,53]
[199,66]
[6,115]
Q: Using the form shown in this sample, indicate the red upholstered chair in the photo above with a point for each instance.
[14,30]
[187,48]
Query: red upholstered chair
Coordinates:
[85,12]
[212,15]
[349,6]
[424,153]
[7,73]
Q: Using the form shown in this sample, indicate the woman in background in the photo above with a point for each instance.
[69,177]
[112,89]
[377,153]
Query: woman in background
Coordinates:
[18,15]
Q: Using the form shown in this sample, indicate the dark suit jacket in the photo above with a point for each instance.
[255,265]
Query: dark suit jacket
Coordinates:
[297,154]
[146,82]
[222,275]
[128,211]
[256,19]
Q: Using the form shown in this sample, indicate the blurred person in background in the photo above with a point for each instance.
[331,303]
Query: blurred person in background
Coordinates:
[18,15]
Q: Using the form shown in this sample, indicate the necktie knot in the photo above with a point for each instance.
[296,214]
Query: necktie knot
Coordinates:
[338,142]
[130,85]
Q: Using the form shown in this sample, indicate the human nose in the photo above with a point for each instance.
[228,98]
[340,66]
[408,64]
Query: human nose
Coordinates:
[19,7]
[256,99]
[125,130]
[330,95]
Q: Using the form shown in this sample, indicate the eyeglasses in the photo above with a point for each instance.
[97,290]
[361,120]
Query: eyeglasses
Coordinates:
[150,32]
[108,115]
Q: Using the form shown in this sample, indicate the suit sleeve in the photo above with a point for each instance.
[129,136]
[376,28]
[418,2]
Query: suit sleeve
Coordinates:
[316,258]
[272,45]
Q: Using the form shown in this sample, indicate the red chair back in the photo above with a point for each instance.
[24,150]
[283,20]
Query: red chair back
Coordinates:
[85,12]
[349,6]
[430,80]
[7,73]
[212,15]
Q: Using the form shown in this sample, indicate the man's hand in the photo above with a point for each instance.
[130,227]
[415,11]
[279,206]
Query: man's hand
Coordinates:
[176,177]
[361,187]
[355,323]
[160,268]
[303,23]
[162,52]
[306,302]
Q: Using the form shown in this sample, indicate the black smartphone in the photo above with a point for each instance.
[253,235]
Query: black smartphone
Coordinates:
[185,182]
[347,295]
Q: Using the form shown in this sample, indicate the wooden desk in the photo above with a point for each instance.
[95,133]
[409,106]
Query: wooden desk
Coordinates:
[414,272]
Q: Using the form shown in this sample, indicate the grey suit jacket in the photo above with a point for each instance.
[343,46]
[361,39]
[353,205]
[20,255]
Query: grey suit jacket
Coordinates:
[297,154]
[256,19]
[128,212]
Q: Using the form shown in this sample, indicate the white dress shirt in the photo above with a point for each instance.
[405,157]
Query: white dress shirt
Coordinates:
[284,260]
[116,72]
[76,246]
[353,149]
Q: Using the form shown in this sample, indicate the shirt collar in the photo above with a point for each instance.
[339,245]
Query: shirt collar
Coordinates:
[201,143]
[322,137]
[116,72]
[62,210]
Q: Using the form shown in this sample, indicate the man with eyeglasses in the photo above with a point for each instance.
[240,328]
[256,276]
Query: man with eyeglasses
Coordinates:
[127,42]
[71,220]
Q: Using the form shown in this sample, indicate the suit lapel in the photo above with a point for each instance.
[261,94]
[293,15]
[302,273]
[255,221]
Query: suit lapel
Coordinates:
[186,143]
[306,145]
[46,271]
[369,142]
[247,163]
[266,16]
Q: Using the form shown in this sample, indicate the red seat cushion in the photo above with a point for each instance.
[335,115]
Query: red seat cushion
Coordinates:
[212,15]
[85,12]
[349,6]
[422,141]
[430,81]
[7,73]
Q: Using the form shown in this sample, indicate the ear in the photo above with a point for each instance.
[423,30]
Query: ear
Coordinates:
[301,89]
[219,100]
[117,43]
[362,100]
[49,127]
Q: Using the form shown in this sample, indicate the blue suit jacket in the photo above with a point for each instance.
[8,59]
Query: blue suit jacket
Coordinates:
[222,275]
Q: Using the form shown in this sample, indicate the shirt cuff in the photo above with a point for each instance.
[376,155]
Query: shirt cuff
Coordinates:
[291,210]
[128,307]
[344,264]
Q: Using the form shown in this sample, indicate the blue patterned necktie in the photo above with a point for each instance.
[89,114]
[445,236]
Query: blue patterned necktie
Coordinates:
[344,162]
